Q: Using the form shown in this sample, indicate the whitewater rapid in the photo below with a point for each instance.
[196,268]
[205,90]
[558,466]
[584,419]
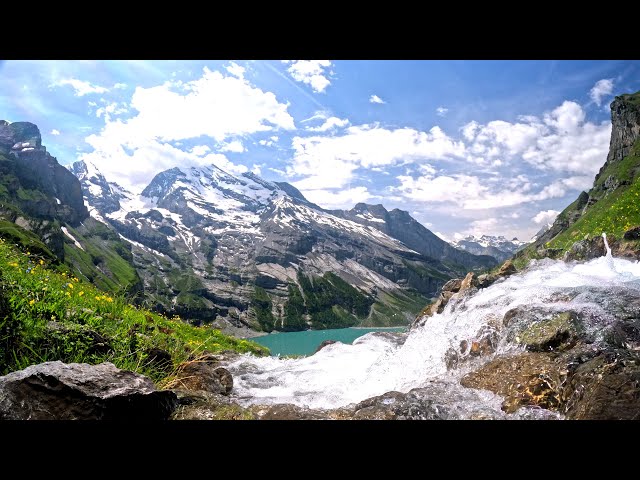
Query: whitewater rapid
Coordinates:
[340,374]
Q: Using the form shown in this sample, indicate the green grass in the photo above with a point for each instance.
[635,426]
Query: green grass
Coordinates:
[49,315]
[15,234]
[613,214]
[395,309]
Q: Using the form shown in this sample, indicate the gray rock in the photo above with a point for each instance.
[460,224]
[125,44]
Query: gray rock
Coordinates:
[79,391]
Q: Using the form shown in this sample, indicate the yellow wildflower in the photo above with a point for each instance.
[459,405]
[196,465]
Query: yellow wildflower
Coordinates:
[41,262]
[68,294]
[80,293]
[70,285]
[32,301]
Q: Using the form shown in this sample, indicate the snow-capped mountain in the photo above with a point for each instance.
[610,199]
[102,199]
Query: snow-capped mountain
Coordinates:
[240,250]
[497,247]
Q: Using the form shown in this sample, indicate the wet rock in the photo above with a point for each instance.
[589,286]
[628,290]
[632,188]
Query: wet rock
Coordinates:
[204,374]
[559,332]
[632,234]
[507,269]
[452,285]
[587,249]
[324,344]
[436,401]
[468,282]
[526,379]
[287,412]
[606,387]
[485,280]
[202,405]
[79,391]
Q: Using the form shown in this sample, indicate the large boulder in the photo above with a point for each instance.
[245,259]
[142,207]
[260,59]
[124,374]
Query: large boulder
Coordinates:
[606,387]
[533,379]
[79,391]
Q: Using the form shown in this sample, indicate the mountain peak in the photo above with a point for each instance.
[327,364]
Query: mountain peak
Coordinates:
[20,136]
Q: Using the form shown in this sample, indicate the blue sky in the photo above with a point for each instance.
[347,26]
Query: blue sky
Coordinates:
[467,147]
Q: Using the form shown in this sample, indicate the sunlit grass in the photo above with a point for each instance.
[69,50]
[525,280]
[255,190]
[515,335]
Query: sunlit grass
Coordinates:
[49,315]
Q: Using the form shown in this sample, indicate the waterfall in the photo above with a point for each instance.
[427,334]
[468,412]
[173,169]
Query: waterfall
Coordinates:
[340,374]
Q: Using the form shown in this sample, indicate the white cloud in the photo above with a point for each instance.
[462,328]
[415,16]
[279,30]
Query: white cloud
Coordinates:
[270,142]
[473,193]
[562,141]
[442,236]
[330,161]
[55,132]
[441,111]
[601,89]
[111,109]
[311,72]
[257,169]
[235,70]
[331,122]
[376,99]
[200,150]
[120,86]
[220,107]
[234,146]
[81,88]
[545,217]
[346,198]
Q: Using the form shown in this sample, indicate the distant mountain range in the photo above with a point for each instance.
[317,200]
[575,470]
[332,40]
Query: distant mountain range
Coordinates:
[212,246]
[497,247]
[235,251]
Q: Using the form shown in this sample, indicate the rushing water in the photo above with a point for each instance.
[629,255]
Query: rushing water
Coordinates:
[342,374]
[306,342]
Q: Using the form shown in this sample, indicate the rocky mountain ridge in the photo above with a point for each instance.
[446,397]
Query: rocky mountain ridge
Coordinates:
[497,247]
[240,251]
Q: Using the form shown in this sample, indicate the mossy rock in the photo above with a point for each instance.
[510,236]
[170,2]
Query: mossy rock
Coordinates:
[556,333]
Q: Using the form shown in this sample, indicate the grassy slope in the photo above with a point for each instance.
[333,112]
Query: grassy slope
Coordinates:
[32,296]
[613,214]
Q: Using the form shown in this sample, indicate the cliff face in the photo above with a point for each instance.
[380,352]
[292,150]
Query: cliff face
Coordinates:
[611,205]
[42,207]
[625,127]
[33,180]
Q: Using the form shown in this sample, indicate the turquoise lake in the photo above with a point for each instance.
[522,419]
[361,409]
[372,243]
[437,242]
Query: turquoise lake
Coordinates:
[306,342]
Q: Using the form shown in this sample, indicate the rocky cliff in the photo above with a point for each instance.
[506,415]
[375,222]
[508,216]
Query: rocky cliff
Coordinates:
[239,251]
[42,207]
[610,206]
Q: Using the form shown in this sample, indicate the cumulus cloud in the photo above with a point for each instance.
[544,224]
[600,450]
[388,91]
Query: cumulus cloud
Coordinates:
[221,107]
[471,192]
[441,111]
[235,70]
[200,150]
[55,132]
[113,108]
[376,99]
[80,87]
[234,146]
[601,89]
[545,217]
[120,86]
[311,72]
[330,123]
[562,141]
[331,161]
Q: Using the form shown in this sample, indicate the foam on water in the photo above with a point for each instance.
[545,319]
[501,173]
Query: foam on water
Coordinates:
[342,374]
